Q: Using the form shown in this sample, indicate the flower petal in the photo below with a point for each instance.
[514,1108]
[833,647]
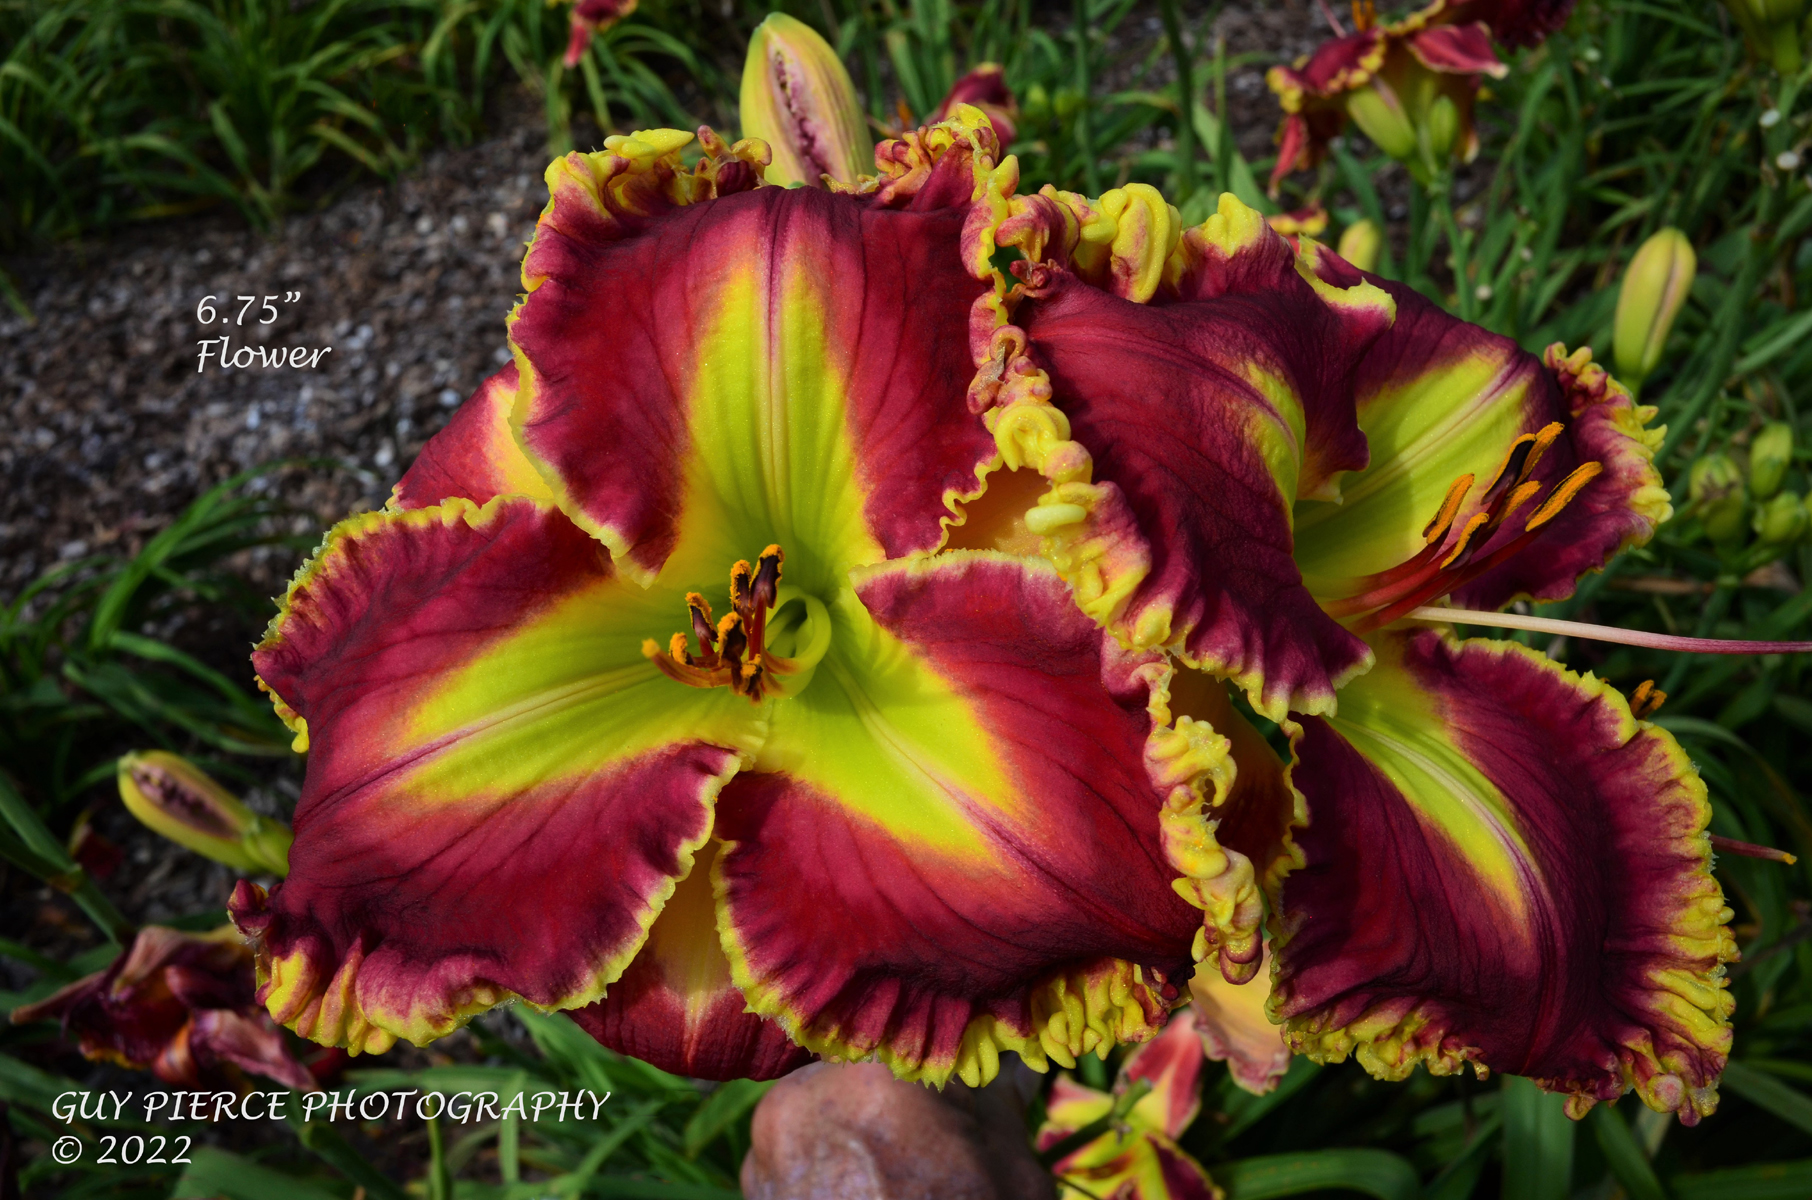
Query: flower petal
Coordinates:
[1172,1064]
[976,833]
[1197,423]
[1440,399]
[1129,1163]
[781,365]
[1235,1028]
[502,791]
[1504,868]
[676,1007]
[1457,50]
[476,456]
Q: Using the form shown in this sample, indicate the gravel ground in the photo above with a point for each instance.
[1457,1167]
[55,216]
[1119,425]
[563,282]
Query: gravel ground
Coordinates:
[402,289]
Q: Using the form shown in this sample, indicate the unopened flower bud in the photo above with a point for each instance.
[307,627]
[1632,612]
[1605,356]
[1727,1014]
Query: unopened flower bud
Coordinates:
[797,97]
[177,799]
[1380,116]
[1715,486]
[1443,125]
[1037,107]
[1769,455]
[1359,244]
[1654,288]
[1781,520]
[1771,27]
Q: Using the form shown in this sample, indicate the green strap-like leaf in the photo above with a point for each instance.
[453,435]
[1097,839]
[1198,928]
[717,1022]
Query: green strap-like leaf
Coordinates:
[1624,1156]
[1372,1172]
[1769,1181]
[213,1173]
[1538,1143]
[1789,1104]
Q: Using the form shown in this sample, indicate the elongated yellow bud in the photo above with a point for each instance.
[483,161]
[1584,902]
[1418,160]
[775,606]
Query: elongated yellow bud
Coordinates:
[1360,243]
[177,799]
[797,98]
[1654,288]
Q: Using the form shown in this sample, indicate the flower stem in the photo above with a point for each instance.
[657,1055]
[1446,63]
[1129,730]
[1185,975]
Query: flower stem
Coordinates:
[1603,633]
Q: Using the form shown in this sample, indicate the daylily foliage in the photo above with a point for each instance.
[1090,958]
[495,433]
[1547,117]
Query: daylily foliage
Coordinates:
[823,639]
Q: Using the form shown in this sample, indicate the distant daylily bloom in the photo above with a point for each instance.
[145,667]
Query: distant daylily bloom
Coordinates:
[179,1005]
[647,696]
[1137,1157]
[589,18]
[1408,85]
[1476,856]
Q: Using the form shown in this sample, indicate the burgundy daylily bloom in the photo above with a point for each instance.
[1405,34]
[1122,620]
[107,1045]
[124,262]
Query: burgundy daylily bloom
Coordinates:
[179,1005]
[589,18]
[1409,85]
[861,814]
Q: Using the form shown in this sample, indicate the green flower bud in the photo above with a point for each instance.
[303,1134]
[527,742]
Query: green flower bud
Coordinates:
[1037,107]
[1654,288]
[1781,520]
[1380,116]
[1771,27]
[1769,455]
[1715,486]
[1359,244]
[177,799]
[1443,126]
[797,98]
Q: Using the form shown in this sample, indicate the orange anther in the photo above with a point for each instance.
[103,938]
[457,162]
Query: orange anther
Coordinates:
[1563,495]
[1436,529]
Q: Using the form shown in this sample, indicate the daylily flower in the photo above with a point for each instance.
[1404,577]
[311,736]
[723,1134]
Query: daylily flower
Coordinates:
[868,802]
[590,17]
[1408,85]
[1136,1157]
[1476,856]
[177,1004]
